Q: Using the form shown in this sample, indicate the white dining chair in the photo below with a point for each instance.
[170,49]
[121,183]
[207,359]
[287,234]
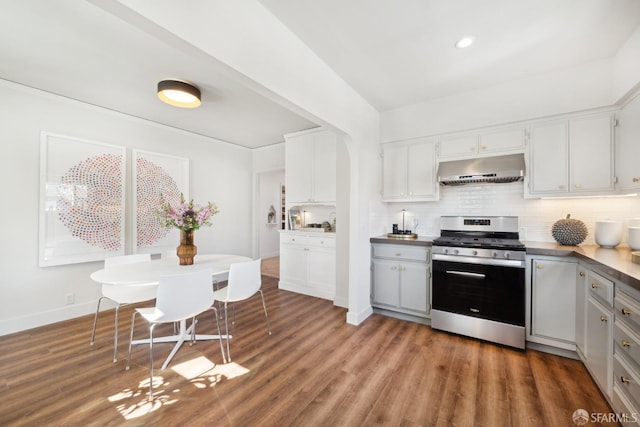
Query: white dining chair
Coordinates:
[245,280]
[179,297]
[122,294]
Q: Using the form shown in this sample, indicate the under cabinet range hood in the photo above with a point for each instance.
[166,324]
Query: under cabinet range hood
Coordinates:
[500,169]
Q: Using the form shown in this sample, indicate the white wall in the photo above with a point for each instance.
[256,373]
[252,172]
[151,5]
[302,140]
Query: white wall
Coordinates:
[569,90]
[31,296]
[626,67]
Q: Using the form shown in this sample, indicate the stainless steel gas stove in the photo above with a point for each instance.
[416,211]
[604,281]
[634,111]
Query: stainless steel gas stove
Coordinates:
[479,279]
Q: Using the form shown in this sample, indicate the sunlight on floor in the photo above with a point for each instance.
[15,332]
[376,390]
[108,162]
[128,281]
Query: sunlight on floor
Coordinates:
[201,372]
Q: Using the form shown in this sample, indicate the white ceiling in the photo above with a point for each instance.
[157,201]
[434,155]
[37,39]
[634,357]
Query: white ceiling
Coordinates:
[394,53]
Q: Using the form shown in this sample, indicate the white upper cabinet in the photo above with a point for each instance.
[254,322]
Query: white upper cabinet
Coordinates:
[571,157]
[409,171]
[591,154]
[492,142]
[548,172]
[628,146]
[311,167]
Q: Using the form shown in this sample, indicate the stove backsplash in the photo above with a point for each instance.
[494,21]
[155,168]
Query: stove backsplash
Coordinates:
[536,215]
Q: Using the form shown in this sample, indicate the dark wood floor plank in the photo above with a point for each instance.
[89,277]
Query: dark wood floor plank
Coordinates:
[313,370]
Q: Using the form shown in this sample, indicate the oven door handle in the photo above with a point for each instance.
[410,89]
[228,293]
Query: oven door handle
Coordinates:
[467,274]
[480,261]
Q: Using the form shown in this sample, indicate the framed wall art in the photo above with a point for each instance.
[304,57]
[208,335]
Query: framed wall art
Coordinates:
[82,198]
[156,175]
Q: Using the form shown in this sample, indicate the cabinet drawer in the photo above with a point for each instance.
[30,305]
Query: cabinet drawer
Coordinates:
[412,253]
[626,379]
[600,287]
[628,309]
[320,241]
[622,404]
[293,239]
[627,342]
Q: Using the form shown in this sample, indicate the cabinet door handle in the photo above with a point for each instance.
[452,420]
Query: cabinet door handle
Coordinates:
[625,343]
[625,312]
[625,380]
[604,318]
[635,179]
[472,148]
[561,186]
[394,268]
[484,147]
[581,274]
[398,253]
[594,286]
[539,266]
[578,185]
[306,249]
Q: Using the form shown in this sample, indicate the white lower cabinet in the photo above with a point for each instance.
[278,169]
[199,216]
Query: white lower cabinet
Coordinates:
[599,346]
[553,302]
[581,310]
[400,278]
[308,264]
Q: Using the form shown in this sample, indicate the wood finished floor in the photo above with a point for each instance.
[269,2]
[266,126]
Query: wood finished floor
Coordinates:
[315,370]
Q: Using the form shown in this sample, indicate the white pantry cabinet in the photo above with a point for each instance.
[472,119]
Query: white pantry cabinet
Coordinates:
[400,278]
[409,171]
[493,142]
[553,302]
[628,146]
[310,158]
[571,157]
[308,263]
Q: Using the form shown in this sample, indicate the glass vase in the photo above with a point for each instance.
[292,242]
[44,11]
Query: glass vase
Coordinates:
[186,250]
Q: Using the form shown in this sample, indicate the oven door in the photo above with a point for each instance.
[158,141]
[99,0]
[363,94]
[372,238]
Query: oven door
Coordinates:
[484,291]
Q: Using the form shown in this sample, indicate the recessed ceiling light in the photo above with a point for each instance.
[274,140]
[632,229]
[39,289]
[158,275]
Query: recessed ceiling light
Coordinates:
[464,42]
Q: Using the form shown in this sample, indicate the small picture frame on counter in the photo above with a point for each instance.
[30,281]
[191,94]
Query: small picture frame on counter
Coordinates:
[294,219]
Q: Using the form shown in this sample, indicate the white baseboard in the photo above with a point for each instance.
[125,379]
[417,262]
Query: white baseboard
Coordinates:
[23,323]
[357,318]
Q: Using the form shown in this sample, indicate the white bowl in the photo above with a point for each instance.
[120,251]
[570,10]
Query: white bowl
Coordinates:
[608,233]
[633,237]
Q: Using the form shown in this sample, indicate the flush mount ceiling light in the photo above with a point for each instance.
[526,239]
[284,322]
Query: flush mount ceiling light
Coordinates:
[179,94]
[464,42]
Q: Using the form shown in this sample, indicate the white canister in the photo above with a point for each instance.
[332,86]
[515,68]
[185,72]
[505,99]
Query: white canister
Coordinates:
[608,233]
[633,237]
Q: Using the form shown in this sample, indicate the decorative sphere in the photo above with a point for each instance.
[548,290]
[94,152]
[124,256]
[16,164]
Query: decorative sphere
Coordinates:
[569,232]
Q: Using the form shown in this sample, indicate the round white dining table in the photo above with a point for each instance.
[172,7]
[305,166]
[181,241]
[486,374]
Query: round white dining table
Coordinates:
[146,275]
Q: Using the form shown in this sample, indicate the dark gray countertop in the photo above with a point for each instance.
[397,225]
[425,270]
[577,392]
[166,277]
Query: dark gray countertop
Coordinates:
[613,262]
[419,241]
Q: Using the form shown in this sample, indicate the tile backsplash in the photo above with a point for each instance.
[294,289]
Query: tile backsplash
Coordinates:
[536,215]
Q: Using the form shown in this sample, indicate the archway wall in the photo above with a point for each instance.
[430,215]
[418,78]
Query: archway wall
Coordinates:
[243,40]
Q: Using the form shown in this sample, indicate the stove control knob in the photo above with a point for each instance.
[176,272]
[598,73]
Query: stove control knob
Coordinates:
[474,252]
[494,254]
[446,251]
[507,255]
[455,251]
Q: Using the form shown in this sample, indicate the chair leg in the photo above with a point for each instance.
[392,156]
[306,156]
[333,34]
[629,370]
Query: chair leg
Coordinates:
[133,320]
[226,322]
[115,336]
[95,320]
[265,311]
[215,312]
[151,362]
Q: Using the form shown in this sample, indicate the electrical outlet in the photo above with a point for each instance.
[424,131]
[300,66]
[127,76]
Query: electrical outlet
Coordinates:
[70,299]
